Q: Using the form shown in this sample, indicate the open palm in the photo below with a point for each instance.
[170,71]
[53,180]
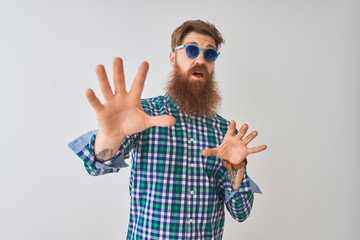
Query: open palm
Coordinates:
[233,147]
[121,113]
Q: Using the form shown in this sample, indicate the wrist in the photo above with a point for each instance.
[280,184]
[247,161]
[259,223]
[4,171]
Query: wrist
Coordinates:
[111,136]
[231,166]
[105,147]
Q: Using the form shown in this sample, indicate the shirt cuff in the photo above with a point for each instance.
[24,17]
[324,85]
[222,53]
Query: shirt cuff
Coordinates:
[84,145]
[247,185]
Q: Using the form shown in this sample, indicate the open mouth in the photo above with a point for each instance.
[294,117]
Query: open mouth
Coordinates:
[198,74]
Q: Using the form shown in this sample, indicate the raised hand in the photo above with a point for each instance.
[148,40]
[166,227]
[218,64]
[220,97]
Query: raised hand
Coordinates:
[121,113]
[233,147]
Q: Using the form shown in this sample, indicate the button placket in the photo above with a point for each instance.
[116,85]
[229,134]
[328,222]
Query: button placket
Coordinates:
[192,148]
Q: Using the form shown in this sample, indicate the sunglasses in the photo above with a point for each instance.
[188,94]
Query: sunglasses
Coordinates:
[193,51]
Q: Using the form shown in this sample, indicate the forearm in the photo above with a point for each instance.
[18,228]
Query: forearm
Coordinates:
[235,178]
[106,147]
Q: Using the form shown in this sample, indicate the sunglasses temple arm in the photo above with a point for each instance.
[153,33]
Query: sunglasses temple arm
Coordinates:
[178,47]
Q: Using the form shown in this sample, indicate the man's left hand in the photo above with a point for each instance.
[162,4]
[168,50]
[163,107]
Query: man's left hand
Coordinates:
[233,147]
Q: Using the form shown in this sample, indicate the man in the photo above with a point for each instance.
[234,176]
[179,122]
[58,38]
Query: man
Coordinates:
[186,161]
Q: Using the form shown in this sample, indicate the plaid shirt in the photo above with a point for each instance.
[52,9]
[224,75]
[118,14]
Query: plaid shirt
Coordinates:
[176,192]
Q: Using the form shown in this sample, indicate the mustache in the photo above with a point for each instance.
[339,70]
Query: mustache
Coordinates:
[198,68]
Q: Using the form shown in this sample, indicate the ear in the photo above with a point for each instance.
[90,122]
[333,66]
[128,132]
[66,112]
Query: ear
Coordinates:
[172,59]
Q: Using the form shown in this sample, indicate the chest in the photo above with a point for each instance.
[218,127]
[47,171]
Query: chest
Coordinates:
[177,149]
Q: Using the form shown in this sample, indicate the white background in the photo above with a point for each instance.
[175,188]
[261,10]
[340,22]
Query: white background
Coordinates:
[290,69]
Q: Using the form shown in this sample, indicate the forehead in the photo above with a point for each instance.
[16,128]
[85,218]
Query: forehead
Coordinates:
[203,41]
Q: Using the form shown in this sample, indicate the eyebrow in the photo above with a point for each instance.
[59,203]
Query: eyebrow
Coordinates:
[195,43]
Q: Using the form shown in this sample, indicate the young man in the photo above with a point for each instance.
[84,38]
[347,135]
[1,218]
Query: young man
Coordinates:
[187,162]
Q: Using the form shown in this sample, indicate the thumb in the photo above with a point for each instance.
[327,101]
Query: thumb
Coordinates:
[208,152]
[162,121]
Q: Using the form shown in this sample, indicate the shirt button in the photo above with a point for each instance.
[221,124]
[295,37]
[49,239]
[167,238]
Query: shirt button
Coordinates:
[191,221]
[192,140]
[192,192]
[192,165]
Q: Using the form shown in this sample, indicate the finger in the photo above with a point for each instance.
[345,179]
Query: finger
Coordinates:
[104,82]
[93,100]
[208,152]
[162,121]
[139,80]
[119,79]
[257,149]
[250,137]
[242,131]
[231,128]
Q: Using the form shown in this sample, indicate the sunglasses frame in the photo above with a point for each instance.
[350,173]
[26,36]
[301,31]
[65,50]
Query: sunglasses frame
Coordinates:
[200,49]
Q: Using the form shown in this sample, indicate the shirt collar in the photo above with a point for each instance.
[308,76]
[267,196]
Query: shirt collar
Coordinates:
[170,101]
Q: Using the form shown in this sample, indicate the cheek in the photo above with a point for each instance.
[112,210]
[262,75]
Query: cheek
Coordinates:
[210,68]
[183,62]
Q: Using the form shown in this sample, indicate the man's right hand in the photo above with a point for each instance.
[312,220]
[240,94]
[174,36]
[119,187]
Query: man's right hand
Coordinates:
[121,114]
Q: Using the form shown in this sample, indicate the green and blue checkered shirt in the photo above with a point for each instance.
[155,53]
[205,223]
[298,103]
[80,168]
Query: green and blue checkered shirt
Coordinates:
[175,191]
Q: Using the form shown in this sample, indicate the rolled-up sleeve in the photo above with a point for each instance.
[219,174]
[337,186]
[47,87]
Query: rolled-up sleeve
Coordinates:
[83,146]
[239,203]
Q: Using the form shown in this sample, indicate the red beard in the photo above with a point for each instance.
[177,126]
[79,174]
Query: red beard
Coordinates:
[194,97]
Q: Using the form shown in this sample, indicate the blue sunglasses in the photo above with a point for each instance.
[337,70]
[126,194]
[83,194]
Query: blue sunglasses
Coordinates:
[193,51]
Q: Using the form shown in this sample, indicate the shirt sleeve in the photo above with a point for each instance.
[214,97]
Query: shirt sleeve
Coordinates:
[83,146]
[239,203]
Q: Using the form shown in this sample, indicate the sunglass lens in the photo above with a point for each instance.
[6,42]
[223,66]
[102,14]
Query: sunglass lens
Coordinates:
[192,51]
[210,55]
